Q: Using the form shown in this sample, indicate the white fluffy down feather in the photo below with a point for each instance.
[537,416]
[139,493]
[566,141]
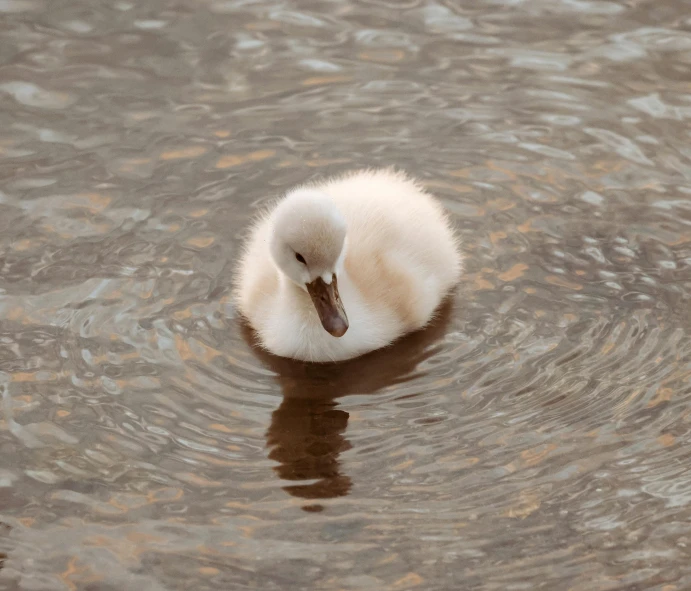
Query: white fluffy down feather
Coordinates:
[387,243]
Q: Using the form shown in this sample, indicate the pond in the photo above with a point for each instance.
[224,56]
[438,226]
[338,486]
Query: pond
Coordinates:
[537,436]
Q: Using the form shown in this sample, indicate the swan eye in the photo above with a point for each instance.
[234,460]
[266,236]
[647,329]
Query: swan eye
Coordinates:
[300,258]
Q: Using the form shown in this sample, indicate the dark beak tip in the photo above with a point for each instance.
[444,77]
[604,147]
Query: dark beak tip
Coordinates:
[336,327]
[339,331]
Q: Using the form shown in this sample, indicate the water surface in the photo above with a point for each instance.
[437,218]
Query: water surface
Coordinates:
[537,437]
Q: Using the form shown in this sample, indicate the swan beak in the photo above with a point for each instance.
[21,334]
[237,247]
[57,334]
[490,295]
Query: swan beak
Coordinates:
[329,306]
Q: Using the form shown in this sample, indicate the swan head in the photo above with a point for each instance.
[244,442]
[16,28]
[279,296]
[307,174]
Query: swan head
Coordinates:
[308,243]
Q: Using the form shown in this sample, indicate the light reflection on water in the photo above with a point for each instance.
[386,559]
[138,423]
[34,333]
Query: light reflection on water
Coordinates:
[536,436]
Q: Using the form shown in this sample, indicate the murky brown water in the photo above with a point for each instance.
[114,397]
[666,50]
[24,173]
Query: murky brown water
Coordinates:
[537,438]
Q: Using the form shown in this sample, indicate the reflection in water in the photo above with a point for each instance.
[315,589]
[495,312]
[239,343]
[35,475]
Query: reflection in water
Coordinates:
[306,435]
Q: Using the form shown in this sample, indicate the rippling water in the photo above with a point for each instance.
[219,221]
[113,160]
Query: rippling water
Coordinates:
[537,437]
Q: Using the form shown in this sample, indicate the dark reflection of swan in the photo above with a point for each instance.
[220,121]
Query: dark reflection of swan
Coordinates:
[306,435]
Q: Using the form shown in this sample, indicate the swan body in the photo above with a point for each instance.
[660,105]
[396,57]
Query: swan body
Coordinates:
[342,267]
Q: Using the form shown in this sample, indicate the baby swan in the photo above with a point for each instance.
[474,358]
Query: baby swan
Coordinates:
[345,266]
